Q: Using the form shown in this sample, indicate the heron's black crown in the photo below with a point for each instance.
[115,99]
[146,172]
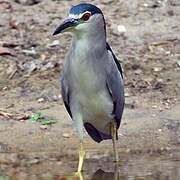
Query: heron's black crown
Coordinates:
[83,7]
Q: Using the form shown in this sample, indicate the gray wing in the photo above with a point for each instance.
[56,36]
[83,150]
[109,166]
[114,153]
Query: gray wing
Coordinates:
[65,92]
[114,83]
[115,59]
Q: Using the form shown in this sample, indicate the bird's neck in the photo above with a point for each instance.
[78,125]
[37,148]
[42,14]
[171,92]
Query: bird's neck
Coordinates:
[90,42]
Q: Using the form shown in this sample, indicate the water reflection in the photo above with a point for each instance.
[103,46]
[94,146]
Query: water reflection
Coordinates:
[101,175]
[98,175]
[169,173]
[161,167]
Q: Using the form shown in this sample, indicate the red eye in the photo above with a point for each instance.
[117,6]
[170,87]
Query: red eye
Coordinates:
[86,16]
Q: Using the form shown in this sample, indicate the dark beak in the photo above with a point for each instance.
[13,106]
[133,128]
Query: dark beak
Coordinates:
[66,25]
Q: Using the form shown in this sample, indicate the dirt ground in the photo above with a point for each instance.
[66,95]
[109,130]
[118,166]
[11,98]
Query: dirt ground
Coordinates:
[30,64]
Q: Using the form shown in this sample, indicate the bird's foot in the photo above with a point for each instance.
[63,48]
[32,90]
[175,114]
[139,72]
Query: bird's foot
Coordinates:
[79,175]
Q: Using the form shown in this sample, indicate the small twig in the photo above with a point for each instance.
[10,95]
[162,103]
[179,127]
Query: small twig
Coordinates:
[12,74]
[5,114]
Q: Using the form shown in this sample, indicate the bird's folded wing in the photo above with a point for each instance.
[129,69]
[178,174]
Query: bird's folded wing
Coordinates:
[115,87]
[65,94]
[115,59]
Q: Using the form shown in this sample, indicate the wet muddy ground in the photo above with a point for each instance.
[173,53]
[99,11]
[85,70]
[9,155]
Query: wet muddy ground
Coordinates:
[30,63]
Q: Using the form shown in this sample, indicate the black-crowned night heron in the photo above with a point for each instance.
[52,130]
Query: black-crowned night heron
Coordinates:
[92,80]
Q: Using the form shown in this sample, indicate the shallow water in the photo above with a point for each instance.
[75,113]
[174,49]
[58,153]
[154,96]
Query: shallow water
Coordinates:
[132,167]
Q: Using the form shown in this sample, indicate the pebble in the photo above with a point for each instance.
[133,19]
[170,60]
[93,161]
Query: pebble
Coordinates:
[43,57]
[168,52]
[178,63]
[60,96]
[55,98]
[34,161]
[43,127]
[138,71]
[66,135]
[40,100]
[31,51]
[157,69]
[127,94]
[121,28]
[22,120]
[128,150]
[5,88]
[54,43]
[154,106]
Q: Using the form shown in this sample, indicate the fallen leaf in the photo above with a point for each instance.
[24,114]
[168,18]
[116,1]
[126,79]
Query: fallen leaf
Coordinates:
[13,24]
[5,114]
[48,122]
[13,116]
[4,5]
[36,117]
[10,44]
[28,2]
[12,69]
[5,51]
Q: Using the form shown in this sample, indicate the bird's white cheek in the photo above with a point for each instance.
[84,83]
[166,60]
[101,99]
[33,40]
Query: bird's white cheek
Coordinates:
[83,26]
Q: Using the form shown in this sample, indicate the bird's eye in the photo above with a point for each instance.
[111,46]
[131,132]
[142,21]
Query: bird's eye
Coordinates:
[86,16]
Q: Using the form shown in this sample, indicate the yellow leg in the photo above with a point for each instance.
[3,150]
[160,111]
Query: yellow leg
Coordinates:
[116,172]
[81,157]
[114,137]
